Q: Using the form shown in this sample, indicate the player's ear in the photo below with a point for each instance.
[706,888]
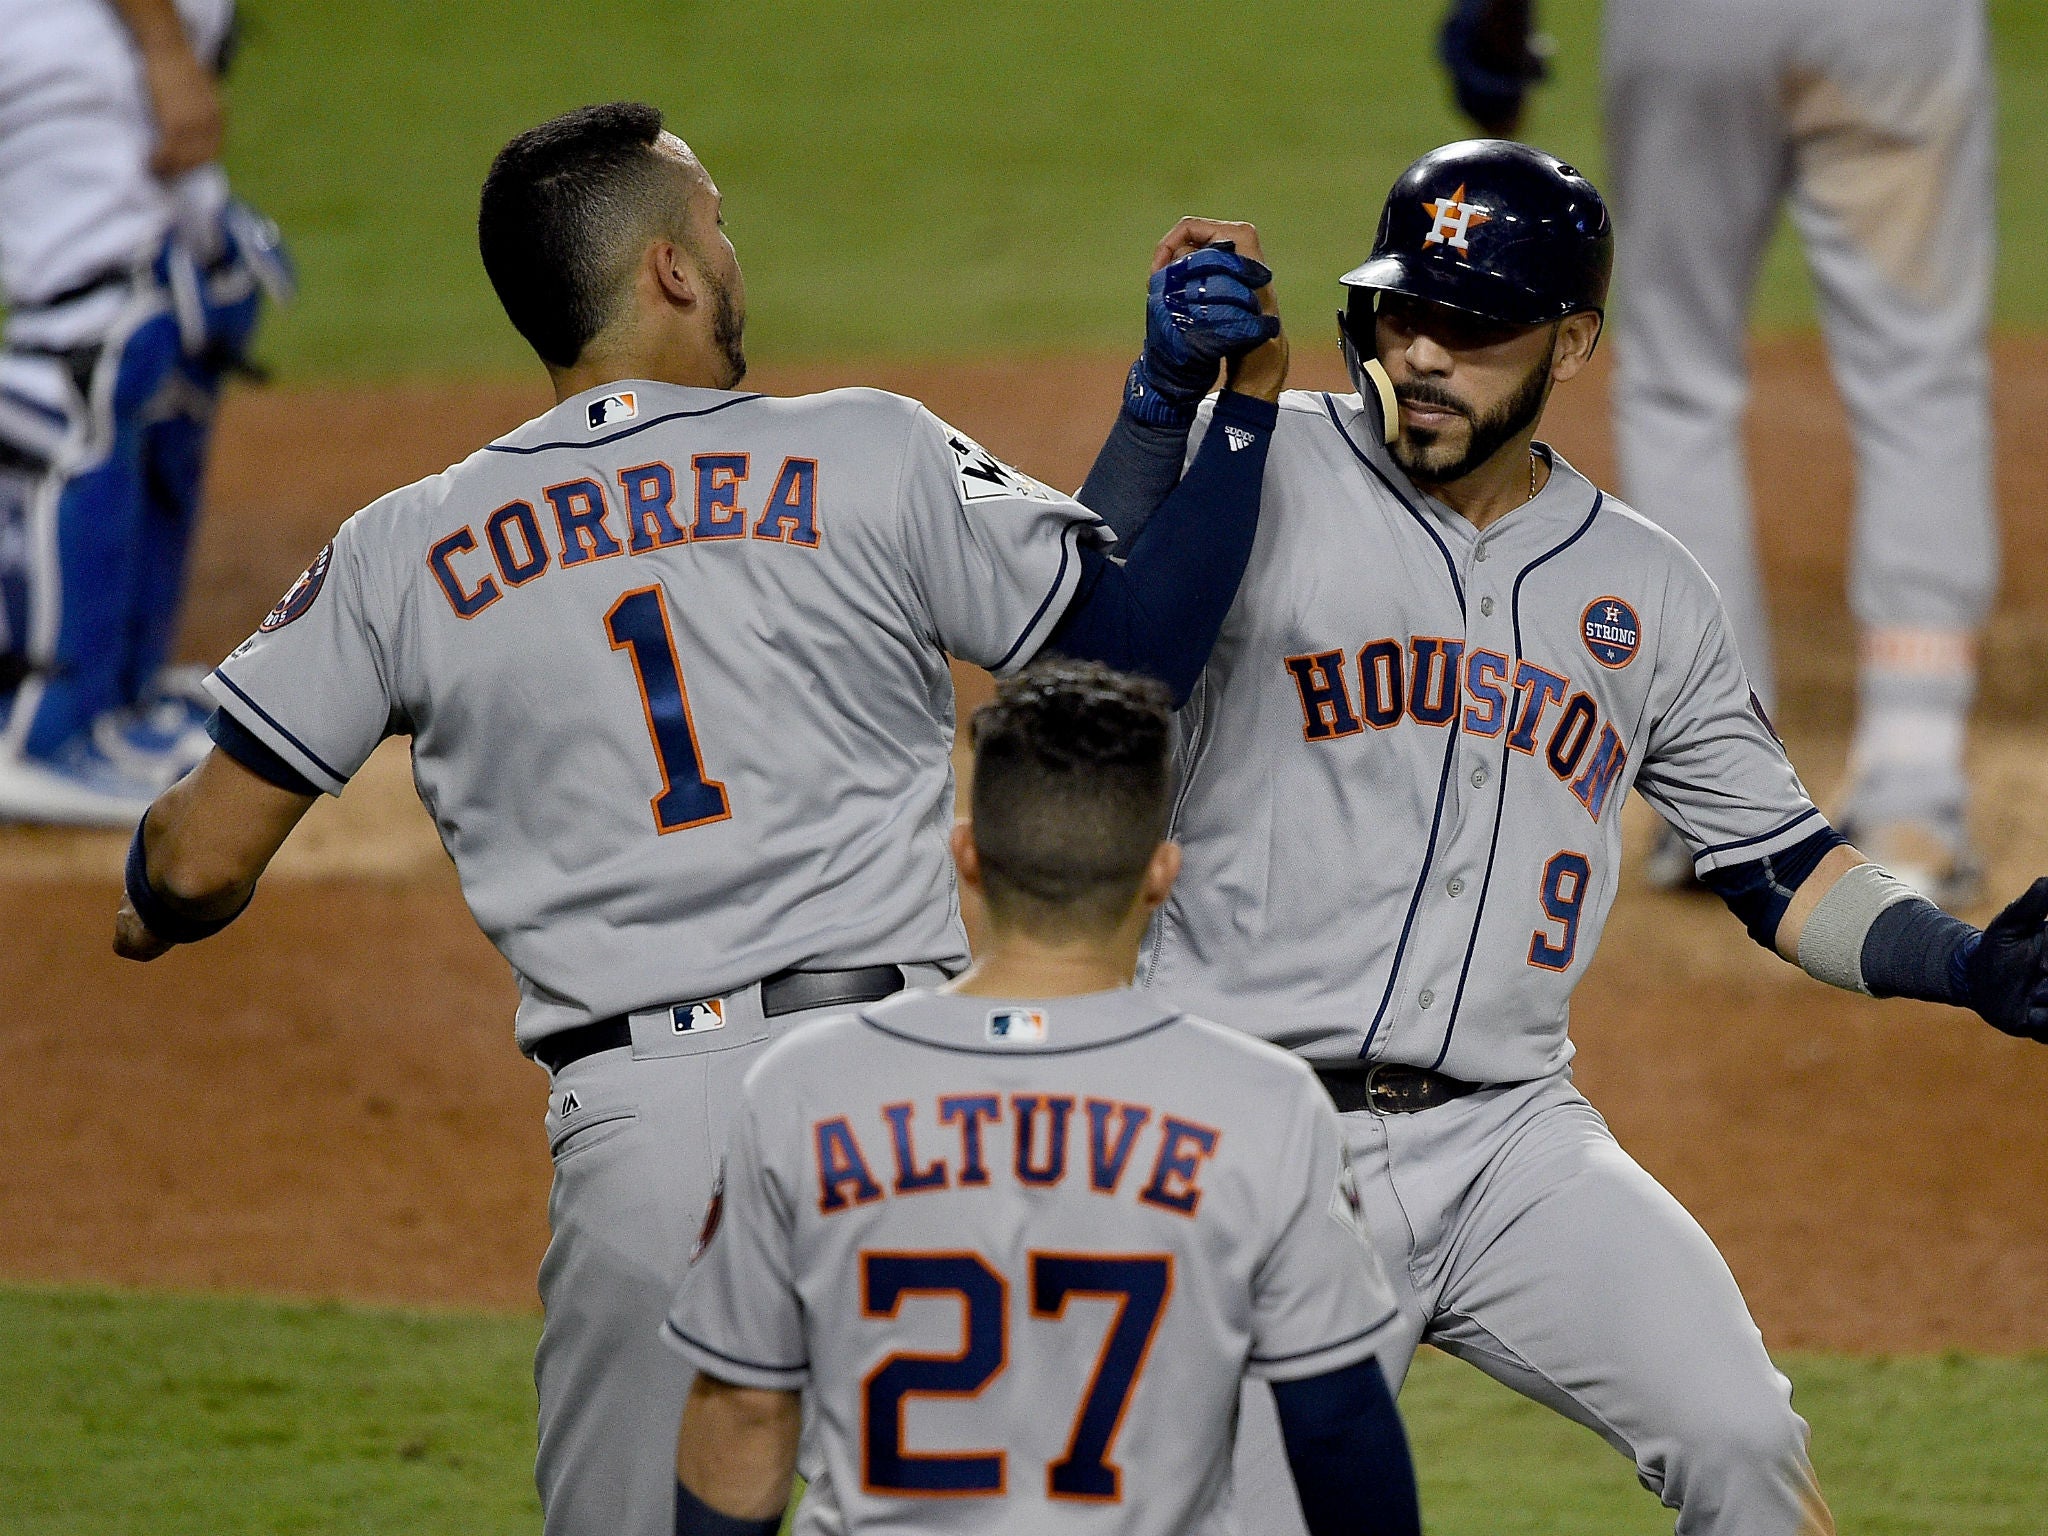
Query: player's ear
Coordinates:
[1577,335]
[1160,873]
[675,274]
[966,857]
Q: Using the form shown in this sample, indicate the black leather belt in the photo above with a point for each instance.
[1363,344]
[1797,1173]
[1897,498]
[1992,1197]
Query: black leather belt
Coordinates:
[1391,1087]
[785,992]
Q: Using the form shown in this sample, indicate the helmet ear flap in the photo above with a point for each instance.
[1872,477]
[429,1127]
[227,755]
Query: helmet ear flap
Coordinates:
[1368,373]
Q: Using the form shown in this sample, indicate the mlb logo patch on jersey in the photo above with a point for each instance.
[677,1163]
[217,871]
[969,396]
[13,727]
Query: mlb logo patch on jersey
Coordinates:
[1613,633]
[1017,1026]
[613,409]
[697,1018]
[301,594]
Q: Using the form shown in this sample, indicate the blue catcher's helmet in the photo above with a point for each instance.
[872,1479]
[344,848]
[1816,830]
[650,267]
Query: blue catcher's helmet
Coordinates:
[1496,229]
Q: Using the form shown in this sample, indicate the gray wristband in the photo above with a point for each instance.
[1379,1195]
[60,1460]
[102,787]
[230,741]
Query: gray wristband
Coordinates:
[1831,944]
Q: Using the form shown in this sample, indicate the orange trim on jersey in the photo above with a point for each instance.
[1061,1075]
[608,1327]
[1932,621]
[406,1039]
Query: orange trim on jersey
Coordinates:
[911,1180]
[441,565]
[591,534]
[1590,717]
[653,732]
[717,489]
[1446,665]
[1123,1304]
[1538,937]
[1134,1118]
[1326,712]
[1059,1113]
[790,518]
[1172,1164]
[644,511]
[868,1309]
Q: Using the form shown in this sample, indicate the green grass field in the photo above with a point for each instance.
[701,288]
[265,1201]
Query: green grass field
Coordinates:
[908,177]
[219,1417]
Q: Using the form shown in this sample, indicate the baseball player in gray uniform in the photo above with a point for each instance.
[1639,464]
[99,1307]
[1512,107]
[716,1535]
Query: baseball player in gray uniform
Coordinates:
[1872,121]
[1449,661]
[672,658]
[1021,1238]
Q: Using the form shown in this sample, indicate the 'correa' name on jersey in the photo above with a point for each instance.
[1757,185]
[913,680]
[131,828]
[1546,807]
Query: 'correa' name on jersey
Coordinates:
[1046,1138]
[584,522]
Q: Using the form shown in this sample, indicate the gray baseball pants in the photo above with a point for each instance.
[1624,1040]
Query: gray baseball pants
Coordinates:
[1872,120]
[634,1164]
[1522,1239]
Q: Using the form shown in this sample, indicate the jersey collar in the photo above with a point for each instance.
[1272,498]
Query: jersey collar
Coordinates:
[988,1026]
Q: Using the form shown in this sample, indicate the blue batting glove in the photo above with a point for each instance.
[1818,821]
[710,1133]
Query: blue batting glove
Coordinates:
[1199,310]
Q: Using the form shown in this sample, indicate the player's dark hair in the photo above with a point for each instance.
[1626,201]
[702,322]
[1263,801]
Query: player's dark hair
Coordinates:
[566,209]
[1072,778]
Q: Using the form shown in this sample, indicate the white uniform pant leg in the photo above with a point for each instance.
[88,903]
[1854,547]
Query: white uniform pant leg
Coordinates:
[1697,166]
[1891,122]
[1572,1276]
[634,1165]
[633,1171]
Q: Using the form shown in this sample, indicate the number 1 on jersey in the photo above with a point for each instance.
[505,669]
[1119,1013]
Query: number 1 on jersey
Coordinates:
[638,624]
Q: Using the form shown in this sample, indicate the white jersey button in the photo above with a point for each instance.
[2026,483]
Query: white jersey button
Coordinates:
[1479,553]
[1486,606]
[1478,777]
[1455,886]
[1427,997]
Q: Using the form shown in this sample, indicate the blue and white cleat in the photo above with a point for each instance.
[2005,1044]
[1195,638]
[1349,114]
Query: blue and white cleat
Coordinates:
[78,787]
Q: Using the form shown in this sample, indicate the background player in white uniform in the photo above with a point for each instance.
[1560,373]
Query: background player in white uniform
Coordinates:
[1872,121]
[672,659]
[1019,1240]
[133,282]
[1450,660]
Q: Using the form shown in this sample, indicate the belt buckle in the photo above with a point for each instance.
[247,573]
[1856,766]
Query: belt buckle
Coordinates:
[1372,1090]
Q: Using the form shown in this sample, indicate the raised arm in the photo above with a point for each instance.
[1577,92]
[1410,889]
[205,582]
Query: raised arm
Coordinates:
[190,122]
[1202,305]
[1160,610]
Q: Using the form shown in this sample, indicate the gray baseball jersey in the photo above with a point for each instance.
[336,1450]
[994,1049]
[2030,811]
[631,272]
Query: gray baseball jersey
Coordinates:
[1022,1254]
[671,663]
[1405,764]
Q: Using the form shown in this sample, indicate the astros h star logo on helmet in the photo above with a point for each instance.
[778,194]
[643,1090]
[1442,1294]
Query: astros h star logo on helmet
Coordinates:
[1454,218]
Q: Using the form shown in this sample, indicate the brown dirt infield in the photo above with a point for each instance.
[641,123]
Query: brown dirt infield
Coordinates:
[325,1100]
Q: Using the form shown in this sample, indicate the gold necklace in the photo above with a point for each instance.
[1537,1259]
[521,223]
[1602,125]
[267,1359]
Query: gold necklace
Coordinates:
[1532,474]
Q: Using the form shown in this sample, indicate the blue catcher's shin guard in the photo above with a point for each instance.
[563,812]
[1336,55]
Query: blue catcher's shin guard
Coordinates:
[83,535]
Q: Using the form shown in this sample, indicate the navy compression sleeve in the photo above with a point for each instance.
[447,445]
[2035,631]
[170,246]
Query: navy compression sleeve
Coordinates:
[696,1518]
[1160,611]
[1759,891]
[1139,465]
[1349,1454]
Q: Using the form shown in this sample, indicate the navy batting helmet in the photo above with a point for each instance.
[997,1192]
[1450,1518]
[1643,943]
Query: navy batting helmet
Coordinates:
[1494,228]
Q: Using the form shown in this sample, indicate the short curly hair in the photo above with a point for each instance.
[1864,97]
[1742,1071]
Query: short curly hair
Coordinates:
[1072,783]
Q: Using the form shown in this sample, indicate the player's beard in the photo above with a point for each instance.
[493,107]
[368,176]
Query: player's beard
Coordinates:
[728,327]
[1426,459]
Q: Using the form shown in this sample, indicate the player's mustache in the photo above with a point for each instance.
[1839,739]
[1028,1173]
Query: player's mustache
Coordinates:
[1432,395]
